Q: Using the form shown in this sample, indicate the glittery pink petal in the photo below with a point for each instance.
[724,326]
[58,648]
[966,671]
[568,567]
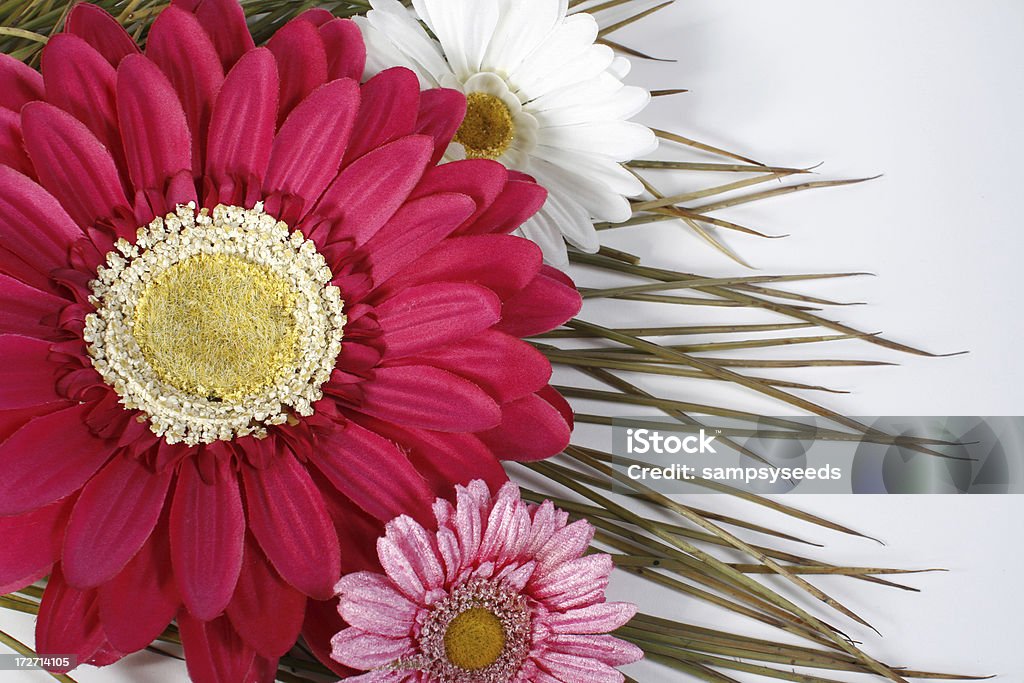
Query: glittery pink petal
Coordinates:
[370,602]
[472,504]
[137,604]
[372,472]
[47,459]
[407,547]
[545,524]
[356,648]
[368,192]
[288,518]
[19,84]
[186,55]
[566,544]
[31,541]
[27,377]
[573,669]
[543,305]
[422,318]
[76,168]
[302,61]
[265,610]
[531,429]
[441,113]
[508,527]
[97,27]
[69,622]
[207,533]
[346,53]
[113,517]
[572,584]
[429,398]
[242,131]
[307,151]
[601,618]
[214,652]
[156,137]
[390,105]
[224,21]
[451,555]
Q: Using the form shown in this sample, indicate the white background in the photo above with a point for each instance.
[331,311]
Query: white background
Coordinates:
[930,93]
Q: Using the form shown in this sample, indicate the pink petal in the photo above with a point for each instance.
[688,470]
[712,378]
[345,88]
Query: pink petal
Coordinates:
[265,610]
[31,541]
[207,534]
[28,311]
[572,584]
[346,53]
[472,505]
[390,105]
[77,168]
[505,367]
[47,459]
[214,652]
[565,545]
[180,47]
[308,149]
[530,429]
[371,471]
[113,517]
[441,113]
[429,398]
[156,137]
[12,144]
[19,83]
[508,527]
[414,230]
[425,317]
[579,669]
[138,603]
[409,556]
[95,26]
[27,377]
[302,61]
[288,518]
[69,622]
[519,200]
[35,228]
[360,650]
[370,602]
[224,21]
[480,179]
[604,617]
[242,131]
[550,300]
[322,623]
[368,192]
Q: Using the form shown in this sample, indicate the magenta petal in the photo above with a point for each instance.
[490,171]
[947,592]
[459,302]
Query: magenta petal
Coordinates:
[19,84]
[426,397]
[157,141]
[207,529]
[441,114]
[390,104]
[531,429]
[518,201]
[49,458]
[346,53]
[28,311]
[224,21]
[288,517]
[180,47]
[242,131]
[12,145]
[265,610]
[416,228]
[550,300]
[27,377]
[302,61]
[113,517]
[31,541]
[95,26]
[373,472]
[69,622]
[425,317]
[308,149]
[77,168]
[214,652]
[138,603]
[368,192]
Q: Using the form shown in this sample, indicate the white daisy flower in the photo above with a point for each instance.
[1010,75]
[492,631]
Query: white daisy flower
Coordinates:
[543,98]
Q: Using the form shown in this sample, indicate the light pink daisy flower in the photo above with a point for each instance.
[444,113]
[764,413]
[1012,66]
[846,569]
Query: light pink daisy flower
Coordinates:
[500,592]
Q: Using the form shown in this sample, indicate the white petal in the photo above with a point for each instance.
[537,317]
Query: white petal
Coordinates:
[464,29]
[596,200]
[382,54]
[620,140]
[594,169]
[545,233]
[407,35]
[567,41]
[563,211]
[624,104]
[523,26]
[620,68]
[590,64]
[598,89]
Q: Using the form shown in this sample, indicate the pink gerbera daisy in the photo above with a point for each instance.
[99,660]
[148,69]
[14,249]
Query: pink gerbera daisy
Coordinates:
[502,591]
[245,320]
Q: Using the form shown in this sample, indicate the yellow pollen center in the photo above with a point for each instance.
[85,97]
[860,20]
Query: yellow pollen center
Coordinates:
[488,129]
[217,326]
[474,640]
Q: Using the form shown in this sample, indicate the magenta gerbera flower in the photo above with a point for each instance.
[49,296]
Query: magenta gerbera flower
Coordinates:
[502,591]
[245,320]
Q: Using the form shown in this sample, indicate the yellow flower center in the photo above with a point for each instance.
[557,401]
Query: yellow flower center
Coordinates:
[474,640]
[218,326]
[488,129]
